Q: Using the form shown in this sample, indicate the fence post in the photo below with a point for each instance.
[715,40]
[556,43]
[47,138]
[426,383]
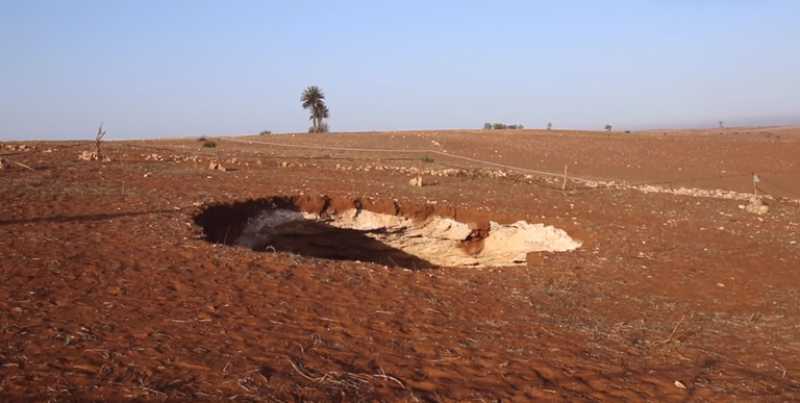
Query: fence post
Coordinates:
[756,180]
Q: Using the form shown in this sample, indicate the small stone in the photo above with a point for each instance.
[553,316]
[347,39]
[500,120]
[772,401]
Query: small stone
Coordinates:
[216,166]
[756,206]
[88,156]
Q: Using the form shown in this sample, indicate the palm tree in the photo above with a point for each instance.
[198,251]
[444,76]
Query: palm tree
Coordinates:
[314,99]
[321,113]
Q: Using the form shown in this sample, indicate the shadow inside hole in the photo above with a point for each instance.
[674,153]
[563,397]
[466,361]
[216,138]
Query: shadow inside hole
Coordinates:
[225,223]
[318,239]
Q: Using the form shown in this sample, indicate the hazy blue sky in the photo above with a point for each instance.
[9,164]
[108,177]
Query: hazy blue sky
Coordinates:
[171,68]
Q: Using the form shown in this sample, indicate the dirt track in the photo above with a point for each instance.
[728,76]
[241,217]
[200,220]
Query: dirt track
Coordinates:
[108,289]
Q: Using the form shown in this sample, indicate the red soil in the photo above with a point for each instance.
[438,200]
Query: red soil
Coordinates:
[109,291]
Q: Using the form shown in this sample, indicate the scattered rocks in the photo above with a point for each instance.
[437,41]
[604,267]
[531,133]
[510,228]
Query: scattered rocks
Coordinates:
[705,193]
[16,147]
[92,156]
[416,181]
[216,166]
[153,157]
[414,170]
[173,158]
[756,206]
[557,180]
[287,164]
[87,156]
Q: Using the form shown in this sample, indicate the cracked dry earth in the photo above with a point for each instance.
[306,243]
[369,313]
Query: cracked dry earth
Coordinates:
[110,290]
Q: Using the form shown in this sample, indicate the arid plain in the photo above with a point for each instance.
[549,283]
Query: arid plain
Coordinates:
[119,279]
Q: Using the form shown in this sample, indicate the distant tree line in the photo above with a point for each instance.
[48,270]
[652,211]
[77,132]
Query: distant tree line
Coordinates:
[501,126]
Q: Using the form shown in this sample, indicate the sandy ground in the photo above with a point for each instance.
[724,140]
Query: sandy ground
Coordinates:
[109,289]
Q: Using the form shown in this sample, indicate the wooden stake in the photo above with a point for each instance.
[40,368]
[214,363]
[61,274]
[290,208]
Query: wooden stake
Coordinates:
[756,179]
[564,184]
[19,164]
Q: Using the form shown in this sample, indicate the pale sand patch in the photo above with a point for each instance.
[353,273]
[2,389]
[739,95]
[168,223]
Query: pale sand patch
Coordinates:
[436,239]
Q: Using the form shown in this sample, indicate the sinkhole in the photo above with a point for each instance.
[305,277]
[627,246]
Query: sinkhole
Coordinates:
[383,232]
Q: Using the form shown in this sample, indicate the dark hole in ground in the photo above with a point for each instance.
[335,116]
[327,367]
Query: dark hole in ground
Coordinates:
[225,223]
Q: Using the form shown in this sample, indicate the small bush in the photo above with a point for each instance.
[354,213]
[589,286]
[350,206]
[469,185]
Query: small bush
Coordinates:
[202,139]
[265,133]
[209,144]
[502,126]
[427,159]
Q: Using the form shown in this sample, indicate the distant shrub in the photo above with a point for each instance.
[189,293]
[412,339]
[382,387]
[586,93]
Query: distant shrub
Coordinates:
[427,159]
[609,128]
[502,126]
[265,133]
[202,139]
[209,144]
